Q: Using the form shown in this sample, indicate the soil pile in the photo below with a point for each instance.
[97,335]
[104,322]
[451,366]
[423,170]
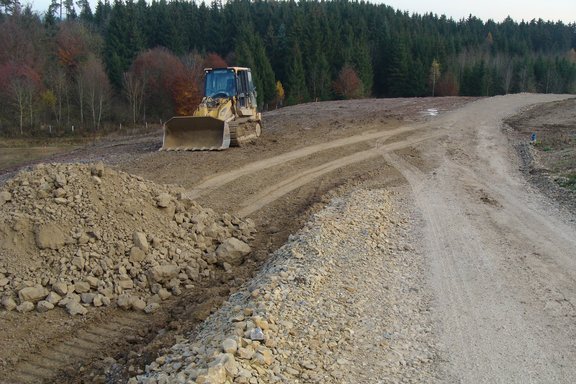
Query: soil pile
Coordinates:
[75,235]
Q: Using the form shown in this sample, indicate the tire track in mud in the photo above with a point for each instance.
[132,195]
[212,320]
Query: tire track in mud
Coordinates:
[116,334]
[212,183]
[447,244]
[304,177]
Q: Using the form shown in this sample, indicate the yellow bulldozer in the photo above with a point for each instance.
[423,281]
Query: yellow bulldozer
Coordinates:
[226,117]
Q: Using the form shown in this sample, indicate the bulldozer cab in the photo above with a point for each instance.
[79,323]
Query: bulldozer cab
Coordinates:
[220,83]
[231,82]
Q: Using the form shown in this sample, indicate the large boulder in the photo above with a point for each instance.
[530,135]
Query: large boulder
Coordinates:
[5,197]
[140,241]
[75,308]
[232,251]
[49,236]
[44,306]
[8,303]
[163,200]
[25,306]
[161,273]
[32,294]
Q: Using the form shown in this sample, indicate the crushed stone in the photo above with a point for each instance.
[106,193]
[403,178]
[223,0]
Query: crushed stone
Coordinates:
[341,302]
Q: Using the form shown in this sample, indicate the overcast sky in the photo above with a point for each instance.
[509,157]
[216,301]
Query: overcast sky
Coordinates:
[497,10]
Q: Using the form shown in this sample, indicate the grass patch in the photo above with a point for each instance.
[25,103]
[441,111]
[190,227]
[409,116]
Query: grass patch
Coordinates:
[568,182]
[14,156]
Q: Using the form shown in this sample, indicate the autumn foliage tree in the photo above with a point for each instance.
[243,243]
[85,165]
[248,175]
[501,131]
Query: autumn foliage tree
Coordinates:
[21,60]
[348,85]
[280,94]
[22,41]
[434,75]
[447,85]
[169,84]
[214,60]
[187,92]
[72,46]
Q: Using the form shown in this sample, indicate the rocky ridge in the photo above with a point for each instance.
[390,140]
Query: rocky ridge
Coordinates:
[341,302]
[80,235]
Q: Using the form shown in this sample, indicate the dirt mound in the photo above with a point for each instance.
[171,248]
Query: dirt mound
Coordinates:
[74,235]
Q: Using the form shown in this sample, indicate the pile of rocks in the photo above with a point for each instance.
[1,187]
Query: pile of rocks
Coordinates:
[79,235]
[319,310]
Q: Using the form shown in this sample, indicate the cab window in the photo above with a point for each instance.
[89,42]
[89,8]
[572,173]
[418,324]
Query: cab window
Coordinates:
[220,83]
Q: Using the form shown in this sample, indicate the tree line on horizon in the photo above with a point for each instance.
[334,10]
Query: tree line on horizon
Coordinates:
[77,69]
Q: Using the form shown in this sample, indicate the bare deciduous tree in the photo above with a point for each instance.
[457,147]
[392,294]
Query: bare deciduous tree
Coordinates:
[20,85]
[134,88]
[58,84]
[97,88]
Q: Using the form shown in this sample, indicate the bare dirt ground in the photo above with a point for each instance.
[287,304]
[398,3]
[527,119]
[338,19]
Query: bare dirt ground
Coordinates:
[498,255]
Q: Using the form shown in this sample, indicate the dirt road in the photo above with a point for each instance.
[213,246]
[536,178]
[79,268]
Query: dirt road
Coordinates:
[499,258]
[502,260]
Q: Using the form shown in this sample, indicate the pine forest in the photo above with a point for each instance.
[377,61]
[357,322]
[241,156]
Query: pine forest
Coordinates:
[74,70]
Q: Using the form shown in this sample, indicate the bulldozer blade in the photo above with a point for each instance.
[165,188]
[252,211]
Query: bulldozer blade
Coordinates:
[188,133]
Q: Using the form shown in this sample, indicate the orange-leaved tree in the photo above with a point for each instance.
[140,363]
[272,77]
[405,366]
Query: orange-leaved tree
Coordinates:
[348,85]
[188,91]
[72,46]
[214,60]
[161,74]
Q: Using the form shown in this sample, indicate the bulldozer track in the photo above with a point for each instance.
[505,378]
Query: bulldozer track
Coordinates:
[221,179]
[243,132]
[287,185]
[84,344]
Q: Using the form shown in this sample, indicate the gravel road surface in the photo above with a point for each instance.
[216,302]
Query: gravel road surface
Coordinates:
[502,259]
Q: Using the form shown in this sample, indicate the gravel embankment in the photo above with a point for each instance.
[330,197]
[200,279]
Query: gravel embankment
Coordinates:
[343,301]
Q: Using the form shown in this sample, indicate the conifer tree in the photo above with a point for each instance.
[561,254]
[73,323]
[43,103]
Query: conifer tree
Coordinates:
[85,11]
[70,10]
[296,85]
[397,70]
[362,62]
[250,52]
[123,41]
